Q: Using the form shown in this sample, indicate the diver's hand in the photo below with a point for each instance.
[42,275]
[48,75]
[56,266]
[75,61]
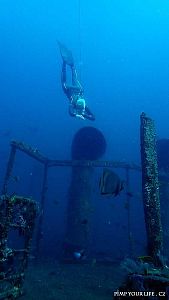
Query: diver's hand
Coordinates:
[80,117]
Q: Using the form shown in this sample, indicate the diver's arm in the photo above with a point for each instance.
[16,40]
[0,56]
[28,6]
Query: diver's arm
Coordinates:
[72,111]
[88,114]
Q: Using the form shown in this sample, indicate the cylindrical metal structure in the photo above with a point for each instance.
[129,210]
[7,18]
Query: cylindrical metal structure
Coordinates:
[150,188]
[79,207]
[88,144]
[42,205]
[164,200]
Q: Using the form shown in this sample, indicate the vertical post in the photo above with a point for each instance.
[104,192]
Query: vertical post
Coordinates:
[88,144]
[164,199]
[129,213]
[78,214]
[150,188]
[9,169]
[40,221]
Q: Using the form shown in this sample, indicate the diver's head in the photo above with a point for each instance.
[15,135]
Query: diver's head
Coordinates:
[80,104]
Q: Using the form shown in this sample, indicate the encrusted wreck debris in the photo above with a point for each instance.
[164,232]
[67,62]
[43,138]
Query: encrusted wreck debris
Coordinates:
[17,218]
[48,163]
[18,213]
[150,187]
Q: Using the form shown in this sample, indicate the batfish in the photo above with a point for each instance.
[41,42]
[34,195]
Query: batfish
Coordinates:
[110,183]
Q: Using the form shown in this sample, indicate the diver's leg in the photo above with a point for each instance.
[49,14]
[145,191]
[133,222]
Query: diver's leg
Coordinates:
[63,76]
[88,114]
[75,81]
[72,111]
[74,76]
[66,54]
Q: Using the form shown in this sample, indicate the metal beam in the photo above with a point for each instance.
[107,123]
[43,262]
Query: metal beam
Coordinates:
[34,153]
[150,188]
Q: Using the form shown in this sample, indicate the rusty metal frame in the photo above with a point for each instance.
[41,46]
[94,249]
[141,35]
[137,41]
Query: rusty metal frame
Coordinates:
[17,215]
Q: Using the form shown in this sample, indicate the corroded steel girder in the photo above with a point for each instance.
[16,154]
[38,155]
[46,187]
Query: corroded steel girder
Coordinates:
[150,188]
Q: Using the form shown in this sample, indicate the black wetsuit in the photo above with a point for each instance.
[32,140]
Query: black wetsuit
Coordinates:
[74,92]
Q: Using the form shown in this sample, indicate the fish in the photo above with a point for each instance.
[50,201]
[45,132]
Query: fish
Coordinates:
[84,222]
[130,194]
[110,183]
[126,205]
[15,178]
[79,254]
[145,258]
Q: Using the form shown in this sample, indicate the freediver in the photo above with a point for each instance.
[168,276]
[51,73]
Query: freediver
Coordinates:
[74,92]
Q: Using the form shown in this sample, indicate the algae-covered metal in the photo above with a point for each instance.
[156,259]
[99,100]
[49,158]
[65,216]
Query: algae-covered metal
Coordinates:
[150,188]
[17,219]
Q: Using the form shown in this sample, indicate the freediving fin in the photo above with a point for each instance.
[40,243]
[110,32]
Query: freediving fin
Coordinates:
[66,54]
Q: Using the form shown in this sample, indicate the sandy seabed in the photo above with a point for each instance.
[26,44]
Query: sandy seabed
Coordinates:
[56,281]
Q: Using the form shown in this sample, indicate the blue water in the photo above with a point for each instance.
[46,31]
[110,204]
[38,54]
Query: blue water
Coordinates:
[121,50]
